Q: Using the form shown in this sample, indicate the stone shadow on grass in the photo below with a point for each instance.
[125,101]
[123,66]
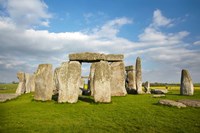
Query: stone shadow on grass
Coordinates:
[86,99]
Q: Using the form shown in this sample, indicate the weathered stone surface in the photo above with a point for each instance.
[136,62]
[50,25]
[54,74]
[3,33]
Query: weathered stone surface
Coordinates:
[6,97]
[186,87]
[118,79]
[159,91]
[81,86]
[158,95]
[171,103]
[44,82]
[114,57]
[94,57]
[138,76]
[130,68]
[56,82]
[69,82]
[147,87]
[190,102]
[131,80]
[22,83]
[91,78]
[30,82]
[102,91]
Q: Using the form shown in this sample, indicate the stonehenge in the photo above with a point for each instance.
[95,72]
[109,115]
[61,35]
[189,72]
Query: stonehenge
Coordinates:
[108,77]
[186,86]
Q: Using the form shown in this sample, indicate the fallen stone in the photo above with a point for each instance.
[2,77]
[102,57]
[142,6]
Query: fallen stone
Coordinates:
[186,87]
[138,76]
[44,82]
[22,83]
[118,79]
[69,82]
[171,103]
[102,91]
[6,97]
[159,91]
[191,103]
[94,57]
[158,96]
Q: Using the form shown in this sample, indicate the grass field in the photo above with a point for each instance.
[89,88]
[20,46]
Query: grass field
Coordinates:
[132,113]
[8,88]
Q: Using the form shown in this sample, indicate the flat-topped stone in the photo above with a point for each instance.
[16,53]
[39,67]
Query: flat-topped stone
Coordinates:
[94,57]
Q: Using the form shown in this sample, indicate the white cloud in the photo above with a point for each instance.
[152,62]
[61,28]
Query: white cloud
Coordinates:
[160,20]
[197,43]
[28,12]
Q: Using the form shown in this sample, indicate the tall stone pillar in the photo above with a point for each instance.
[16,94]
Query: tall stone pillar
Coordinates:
[22,83]
[56,82]
[131,80]
[30,83]
[44,82]
[186,87]
[138,76]
[118,79]
[102,91]
[91,78]
[69,82]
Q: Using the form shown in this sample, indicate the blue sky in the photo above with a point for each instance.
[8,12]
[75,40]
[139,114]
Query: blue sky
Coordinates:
[165,34]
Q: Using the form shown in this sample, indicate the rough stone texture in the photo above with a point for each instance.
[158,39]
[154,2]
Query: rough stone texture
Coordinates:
[158,91]
[56,82]
[147,87]
[81,86]
[138,76]
[131,79]
[22,83]
[91,78]
[118,79]
[158,95]
[44,82]
[69,82]
[186,87]
[191,103]
[6,97]
[30,82]
[102,91]
[130,68]
[171,103]
[94,57]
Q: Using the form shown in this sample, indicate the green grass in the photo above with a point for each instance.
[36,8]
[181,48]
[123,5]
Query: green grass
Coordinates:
[8,88]
[132,113]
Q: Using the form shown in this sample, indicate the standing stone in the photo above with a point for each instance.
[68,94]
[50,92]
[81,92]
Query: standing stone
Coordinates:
[130,79]
[102,91]
[22,83]
[69,82]
[30,83]
[186,87]
[91,78]
[118,79]
[44,82]
[138,76]
[81,86]
[147,87]
[56,82]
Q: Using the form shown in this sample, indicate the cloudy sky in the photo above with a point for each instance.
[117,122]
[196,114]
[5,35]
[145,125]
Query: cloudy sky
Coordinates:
[164,33]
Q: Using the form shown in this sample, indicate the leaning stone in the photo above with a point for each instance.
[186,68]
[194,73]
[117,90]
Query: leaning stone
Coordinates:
[138,76]
[22,83]
[190,102]
[186,87]
[158,96]
[171,103]
[44,82]
[69,82]
[91,78]
[147,87]
[118,79]
[102,91]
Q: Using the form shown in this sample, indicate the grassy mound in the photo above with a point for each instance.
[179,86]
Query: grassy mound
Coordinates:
[132,113]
